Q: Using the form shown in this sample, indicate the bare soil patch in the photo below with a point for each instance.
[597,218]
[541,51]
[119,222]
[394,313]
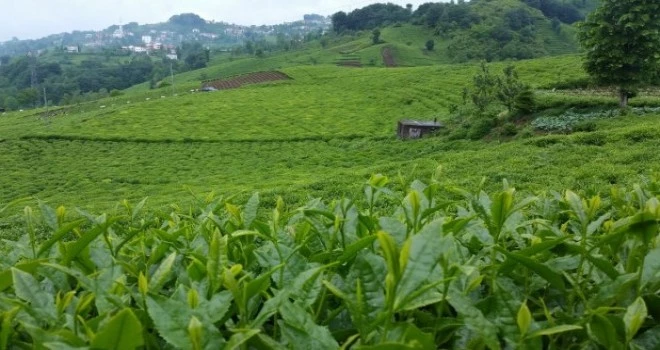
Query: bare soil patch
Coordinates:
[245,79]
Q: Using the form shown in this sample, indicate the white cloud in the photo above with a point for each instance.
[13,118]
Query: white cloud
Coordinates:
[30,19]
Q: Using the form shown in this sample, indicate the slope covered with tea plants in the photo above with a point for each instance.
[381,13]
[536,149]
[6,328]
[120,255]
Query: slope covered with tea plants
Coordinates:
[318,134]
[434,267]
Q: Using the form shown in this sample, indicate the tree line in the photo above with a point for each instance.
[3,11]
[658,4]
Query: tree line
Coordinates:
[25,79]
[461,13]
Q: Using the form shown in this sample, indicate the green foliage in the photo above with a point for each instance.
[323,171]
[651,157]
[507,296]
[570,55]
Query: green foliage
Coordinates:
[375,36]
[11,103]
[509,89]
[430,44]
[481,127]
[369,17]
[622,40]
[314,135]
[524,102]
[485,93]
[433,266]
[583,121]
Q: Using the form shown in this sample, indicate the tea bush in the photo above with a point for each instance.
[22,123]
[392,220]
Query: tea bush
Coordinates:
[438,267]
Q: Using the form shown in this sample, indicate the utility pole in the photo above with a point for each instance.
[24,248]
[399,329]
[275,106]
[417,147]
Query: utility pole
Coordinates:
[33,74]
[172,78]
[47,115]
[45,100]
[33,70]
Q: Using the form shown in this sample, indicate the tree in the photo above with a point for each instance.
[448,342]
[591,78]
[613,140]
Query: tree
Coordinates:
[622,40]
[11,103]
[188,20]
[430,44]
[27,97]
[556,25]
[484,89]
[375,36]
[339,21]
[508,87]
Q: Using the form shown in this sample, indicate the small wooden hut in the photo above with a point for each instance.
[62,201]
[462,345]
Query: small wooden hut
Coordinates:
[416,129]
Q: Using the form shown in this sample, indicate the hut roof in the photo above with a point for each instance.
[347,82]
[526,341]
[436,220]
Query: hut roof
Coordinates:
[422,123]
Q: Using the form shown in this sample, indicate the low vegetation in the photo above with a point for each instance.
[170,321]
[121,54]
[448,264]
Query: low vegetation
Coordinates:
[536,224]
[435,267]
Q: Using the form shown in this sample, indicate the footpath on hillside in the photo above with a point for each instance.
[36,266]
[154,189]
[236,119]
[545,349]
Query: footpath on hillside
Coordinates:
[388,57]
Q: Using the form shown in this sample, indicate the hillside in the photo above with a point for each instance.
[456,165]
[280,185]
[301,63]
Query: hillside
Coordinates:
[319,134]
[84,66]
[475,30]
[266,201]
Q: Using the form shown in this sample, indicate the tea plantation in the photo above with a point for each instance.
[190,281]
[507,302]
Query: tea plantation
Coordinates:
[320,134]
[257,218]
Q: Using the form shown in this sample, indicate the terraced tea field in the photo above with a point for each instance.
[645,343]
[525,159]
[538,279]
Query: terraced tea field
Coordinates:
[246,79]
[320,134]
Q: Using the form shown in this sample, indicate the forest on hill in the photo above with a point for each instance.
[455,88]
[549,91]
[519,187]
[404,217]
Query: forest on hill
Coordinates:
[479,30]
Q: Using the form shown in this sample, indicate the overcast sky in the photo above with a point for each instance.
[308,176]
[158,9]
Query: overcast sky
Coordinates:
[32,19]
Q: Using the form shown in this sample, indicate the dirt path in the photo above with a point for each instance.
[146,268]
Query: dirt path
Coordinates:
[388,57]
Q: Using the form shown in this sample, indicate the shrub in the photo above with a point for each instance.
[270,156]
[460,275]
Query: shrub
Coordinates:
[221,273]
[509,129]
[115,93]
[458,134]
[593,139]
[480,128]
[525,102]
[526,133]
[585,126]
[430,44]
[637,136]
[546,141]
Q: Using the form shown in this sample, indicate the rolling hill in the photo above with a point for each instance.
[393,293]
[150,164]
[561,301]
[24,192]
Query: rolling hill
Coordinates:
[319,134]
[282,211]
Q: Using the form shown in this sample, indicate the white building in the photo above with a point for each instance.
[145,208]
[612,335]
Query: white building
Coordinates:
[119,33]
[172,56]
[146,39]
[72,49]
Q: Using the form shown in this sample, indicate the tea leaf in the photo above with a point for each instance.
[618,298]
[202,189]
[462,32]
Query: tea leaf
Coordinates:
[162,274]
[651,271]
[553,277]
[123,331]
[554,330]
[635,317]
[524,318]
[300,331]
[250,212]
[28,289]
